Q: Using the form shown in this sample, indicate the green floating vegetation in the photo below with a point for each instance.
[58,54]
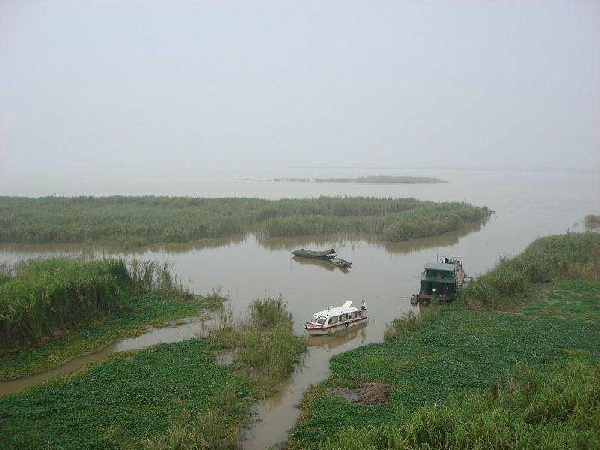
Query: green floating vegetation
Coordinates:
[171,396]
[531,409]
[456,377]
[133,221]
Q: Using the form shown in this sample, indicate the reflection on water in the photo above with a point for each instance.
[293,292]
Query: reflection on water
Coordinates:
[335,340]
[88,249]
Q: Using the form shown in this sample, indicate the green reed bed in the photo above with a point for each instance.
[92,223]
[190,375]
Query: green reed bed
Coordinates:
[471,378]
[546,259]
[59,294]
[54,310]
[263,345]
[132,221]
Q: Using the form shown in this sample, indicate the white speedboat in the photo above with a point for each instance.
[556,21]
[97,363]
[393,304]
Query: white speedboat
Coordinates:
[338,318]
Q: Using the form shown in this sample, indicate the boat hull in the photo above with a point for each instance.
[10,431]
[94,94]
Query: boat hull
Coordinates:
[320,330]
[315,254]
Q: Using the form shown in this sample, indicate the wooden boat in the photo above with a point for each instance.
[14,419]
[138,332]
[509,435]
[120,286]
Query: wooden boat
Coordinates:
[318,254]
[325,255]
[335,319]
[440,280]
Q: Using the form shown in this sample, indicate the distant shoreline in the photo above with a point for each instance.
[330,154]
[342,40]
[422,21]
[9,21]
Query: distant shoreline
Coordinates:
[465,169]
[371,179]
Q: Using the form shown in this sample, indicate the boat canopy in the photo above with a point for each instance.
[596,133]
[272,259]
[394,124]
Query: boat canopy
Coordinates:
[442,267]
[336,311]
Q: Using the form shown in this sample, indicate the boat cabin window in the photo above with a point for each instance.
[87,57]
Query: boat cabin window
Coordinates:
[353,314]
[321,320]
[333,320]
[343,317]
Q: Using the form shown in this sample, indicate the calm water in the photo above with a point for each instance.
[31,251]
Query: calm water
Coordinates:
[526,205]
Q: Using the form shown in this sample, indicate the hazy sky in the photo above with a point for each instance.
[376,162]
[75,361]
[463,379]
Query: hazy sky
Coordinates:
[93,88]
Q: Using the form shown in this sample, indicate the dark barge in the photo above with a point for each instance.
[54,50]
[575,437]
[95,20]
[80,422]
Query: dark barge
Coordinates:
[440,280]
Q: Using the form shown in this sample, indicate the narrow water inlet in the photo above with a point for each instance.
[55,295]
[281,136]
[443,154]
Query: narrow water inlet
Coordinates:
[275,416]
[166,335]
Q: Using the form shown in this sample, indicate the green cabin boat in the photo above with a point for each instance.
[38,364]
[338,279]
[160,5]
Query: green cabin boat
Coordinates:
[441,280]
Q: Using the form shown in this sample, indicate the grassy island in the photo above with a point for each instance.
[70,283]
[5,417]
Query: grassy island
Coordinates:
[513,364]
[371,179]
[131,221]
[382,179]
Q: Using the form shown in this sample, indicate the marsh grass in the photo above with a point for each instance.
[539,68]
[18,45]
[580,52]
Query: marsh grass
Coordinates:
[264,344]
[44,298]
[141,310]
[5,274]
[135,221]
[153,276]
[545,260]
[370,179]
[48,296]
[408,322]
[382,179]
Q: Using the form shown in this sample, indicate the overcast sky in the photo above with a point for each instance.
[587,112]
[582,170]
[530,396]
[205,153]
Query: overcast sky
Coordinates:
[103,87]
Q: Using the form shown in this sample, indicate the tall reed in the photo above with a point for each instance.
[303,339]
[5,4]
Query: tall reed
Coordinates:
[40,298]
[49,295]
[264,343]
[134,221]
[546,259]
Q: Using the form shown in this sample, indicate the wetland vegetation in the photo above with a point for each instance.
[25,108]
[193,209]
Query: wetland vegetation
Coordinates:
[496,369]
[132,221]
[56,309]
[169,396]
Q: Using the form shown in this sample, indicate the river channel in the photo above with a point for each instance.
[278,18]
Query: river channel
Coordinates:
[526,206]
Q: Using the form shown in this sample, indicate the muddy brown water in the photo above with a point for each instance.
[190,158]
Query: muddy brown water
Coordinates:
[526,205]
